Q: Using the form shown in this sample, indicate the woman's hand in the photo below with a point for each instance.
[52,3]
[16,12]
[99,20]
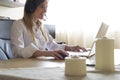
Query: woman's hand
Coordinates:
[75,48]
[57,54]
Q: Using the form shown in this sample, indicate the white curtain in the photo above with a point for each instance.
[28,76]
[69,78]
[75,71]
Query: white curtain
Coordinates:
[77,21]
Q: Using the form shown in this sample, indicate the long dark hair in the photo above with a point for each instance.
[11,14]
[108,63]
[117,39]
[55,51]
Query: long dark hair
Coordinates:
[29,9]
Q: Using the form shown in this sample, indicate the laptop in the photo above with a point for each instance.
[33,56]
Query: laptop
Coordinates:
[91,52]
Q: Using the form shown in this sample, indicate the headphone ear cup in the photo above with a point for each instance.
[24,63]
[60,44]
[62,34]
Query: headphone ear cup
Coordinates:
[29,7]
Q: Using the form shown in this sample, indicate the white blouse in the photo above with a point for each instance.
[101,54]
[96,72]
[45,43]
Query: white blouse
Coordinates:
[24,46]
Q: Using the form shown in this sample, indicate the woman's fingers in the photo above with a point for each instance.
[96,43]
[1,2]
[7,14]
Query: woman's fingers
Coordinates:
[61,54]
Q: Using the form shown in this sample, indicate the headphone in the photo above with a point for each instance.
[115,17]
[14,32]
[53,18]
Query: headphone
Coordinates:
[30,6]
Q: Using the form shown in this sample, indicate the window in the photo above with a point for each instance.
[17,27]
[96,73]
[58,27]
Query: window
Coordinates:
[81,19]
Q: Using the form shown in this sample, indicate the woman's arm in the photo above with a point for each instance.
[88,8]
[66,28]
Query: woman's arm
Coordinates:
[74,48]
[18,38]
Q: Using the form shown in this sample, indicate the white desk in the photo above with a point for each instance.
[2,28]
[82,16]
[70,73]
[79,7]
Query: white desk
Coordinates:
[48,69]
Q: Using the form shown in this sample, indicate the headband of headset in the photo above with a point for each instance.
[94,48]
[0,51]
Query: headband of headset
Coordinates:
[31,5]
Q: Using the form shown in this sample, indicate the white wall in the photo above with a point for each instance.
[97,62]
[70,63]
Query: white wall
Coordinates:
[13,13]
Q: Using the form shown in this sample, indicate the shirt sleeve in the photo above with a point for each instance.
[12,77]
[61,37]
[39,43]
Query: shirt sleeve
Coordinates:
[52,45]
[18,46]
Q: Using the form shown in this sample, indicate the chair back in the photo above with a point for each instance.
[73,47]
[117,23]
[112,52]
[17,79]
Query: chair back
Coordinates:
[5,41]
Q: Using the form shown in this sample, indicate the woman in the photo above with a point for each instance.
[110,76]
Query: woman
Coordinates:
[30,38]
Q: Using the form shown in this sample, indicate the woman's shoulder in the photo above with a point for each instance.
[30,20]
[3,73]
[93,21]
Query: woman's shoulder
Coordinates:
[18,24]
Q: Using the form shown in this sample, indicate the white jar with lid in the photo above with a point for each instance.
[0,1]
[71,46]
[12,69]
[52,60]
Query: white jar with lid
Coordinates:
[75,66]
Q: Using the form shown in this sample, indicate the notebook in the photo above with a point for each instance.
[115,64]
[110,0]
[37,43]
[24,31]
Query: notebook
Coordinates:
[101,33]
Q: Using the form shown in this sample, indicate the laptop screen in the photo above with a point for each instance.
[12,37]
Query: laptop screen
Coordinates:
[102,30]
[101,33]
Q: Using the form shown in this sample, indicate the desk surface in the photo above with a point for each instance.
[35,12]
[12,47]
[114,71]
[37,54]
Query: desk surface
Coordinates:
[48,69]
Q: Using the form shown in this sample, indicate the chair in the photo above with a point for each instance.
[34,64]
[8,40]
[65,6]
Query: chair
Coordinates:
[2,55]
[5,44]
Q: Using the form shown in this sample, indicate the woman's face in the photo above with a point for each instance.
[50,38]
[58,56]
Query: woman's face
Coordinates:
[41,10]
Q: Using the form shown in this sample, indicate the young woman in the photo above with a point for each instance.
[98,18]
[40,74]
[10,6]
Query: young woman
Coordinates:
[30,38]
